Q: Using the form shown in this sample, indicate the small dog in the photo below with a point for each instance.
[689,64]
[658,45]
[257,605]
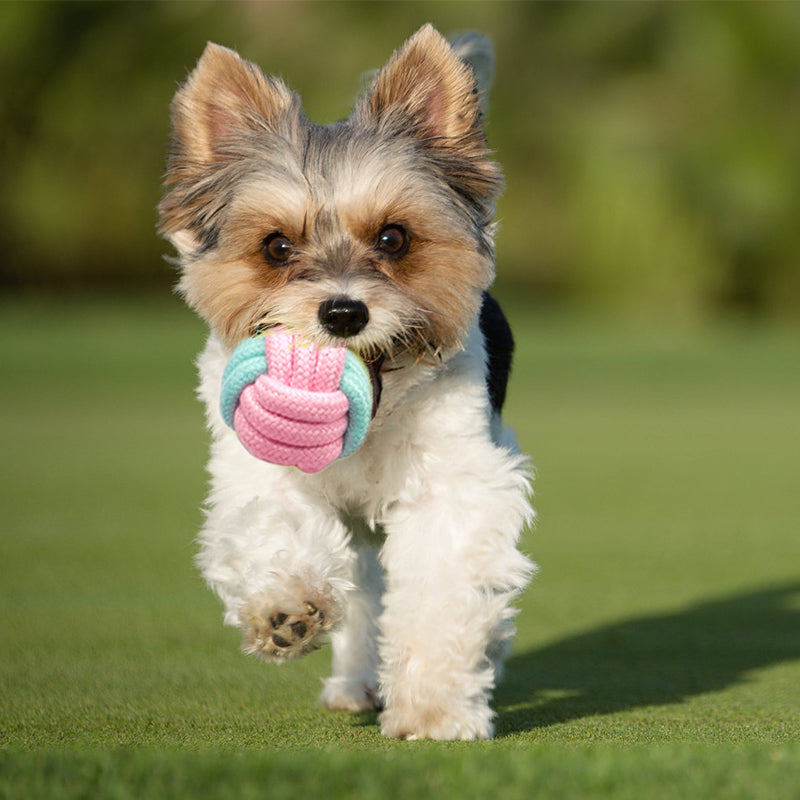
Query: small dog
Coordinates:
[375,232]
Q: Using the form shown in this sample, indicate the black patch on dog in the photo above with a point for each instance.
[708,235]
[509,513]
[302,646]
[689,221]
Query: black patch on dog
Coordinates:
[499,349]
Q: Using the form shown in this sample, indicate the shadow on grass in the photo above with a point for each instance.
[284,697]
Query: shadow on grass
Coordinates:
[650,660]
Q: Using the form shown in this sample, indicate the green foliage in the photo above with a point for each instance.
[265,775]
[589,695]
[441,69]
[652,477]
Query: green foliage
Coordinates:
[652,150]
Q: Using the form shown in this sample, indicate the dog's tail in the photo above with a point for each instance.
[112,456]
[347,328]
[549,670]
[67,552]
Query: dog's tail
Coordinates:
[476,50]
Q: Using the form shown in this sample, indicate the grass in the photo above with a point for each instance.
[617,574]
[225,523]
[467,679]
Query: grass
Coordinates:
[658,652]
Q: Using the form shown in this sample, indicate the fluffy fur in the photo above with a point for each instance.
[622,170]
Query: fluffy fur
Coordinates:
[404,553]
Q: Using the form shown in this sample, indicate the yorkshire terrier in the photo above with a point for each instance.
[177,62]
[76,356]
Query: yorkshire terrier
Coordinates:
[375,233]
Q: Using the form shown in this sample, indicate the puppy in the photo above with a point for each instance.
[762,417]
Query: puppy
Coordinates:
[374,233]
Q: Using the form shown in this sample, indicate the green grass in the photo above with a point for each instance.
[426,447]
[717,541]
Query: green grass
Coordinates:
[658,652]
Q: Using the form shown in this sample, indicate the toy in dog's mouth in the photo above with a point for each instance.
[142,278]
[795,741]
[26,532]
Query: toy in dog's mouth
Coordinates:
[294,403]
[373,360]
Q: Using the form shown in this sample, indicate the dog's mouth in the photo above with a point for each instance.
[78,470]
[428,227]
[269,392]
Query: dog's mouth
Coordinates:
[374,364]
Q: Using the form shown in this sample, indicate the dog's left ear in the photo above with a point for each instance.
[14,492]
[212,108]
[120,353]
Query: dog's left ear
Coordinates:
[427,91]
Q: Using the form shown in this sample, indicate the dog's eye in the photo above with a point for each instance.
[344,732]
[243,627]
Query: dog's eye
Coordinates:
[277,249]
[393,240]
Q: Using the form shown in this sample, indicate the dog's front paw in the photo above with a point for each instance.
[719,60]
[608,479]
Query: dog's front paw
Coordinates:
[408,722]
[282,631]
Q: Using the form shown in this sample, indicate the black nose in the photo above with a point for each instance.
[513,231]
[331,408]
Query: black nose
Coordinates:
[343,317]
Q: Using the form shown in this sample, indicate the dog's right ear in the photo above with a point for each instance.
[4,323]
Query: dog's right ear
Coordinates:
[222,97]
[224,101]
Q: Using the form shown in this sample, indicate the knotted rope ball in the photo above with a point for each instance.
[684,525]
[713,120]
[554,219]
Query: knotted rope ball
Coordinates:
[294,403]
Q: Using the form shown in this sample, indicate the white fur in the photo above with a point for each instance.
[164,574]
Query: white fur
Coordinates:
[409,545]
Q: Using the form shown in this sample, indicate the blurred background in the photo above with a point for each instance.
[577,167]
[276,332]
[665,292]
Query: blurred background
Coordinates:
[652,150]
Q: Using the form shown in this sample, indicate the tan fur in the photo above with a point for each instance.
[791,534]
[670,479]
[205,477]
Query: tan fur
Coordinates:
[224,94]
[427,82]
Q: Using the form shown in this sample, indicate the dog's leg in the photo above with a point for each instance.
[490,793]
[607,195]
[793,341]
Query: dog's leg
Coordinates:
[353,686]
[283,568]
[276,554]
[452,572]
[452,566]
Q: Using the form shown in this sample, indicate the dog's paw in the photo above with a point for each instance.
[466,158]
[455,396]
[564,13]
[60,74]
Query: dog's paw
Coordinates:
[412,724]
[284,631]
[343,694]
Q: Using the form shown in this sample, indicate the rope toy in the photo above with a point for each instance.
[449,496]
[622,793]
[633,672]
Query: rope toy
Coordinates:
[297,404]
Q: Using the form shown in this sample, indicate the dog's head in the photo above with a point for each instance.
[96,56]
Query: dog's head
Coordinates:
[376,230]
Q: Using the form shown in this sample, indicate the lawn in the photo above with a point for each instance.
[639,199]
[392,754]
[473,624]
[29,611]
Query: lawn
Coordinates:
[658,652]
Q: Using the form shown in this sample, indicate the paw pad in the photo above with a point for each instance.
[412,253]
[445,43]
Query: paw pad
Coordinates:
[282,635]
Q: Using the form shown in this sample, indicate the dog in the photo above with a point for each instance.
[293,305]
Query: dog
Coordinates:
[375,233]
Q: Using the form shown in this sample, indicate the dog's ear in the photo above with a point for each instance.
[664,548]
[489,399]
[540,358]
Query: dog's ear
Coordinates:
[224,100]
[428,91]
[222,97]
[426,83]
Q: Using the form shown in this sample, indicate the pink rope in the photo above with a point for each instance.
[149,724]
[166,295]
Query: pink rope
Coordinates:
[306,458]
[292,431]
[299,404]
[295,414]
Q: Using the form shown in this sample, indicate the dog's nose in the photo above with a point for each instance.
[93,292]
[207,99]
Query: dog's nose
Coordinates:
[343,317]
